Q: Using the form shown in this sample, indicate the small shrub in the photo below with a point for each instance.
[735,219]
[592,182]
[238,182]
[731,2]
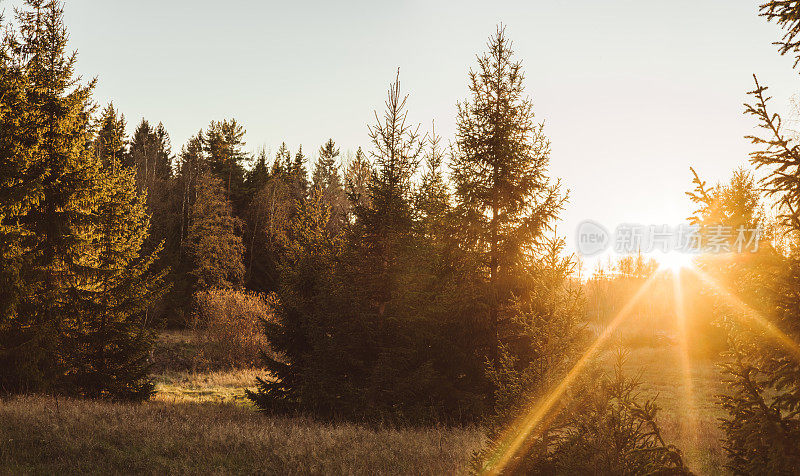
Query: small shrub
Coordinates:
[602,425]
[230,325]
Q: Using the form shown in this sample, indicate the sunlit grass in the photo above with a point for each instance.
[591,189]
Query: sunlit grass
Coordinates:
[201,422]
[224,386]
[43,436]
[662,374]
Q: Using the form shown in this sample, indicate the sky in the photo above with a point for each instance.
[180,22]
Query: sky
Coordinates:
[632,93]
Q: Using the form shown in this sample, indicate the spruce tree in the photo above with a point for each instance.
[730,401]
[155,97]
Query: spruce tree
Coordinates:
[76,270]
[356,181]
[22,356]
[302,332]
[214,243]
[297,174]
[151,153]
[109,143]
[110,344]
[762,375]
[382,227]
[223,143]
[499,170]
[327,178]
[64,174]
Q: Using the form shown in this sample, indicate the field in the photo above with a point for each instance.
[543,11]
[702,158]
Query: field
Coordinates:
[200,422]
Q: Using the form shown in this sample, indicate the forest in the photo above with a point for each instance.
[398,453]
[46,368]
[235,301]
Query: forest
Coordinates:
[409,307]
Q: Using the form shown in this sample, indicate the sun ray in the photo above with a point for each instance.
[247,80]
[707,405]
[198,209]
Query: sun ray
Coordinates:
[689,422]
[529,424]
[751,314]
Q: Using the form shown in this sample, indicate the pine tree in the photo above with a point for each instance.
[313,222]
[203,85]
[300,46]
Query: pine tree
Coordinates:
[267,218]
[381,227]
[499,171]
[258,176]
[786,14]
[76,270]
[151,153]
[762,375]
[432,200]
[297,175]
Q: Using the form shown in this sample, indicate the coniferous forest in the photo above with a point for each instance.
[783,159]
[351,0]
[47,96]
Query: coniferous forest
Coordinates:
[411,306]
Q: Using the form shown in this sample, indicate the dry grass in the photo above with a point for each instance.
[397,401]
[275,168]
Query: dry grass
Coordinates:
[39,436]
[224,386]
[691,423]
[200,422]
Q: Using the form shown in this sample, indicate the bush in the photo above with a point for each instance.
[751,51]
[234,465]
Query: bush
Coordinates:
[230,325]
[602,425]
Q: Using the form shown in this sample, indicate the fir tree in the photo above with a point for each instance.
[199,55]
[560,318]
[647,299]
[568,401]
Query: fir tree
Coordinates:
[499,172]
[79,271]
[297,175]
[267,218]
[151,153]
[301,329]
[381,227]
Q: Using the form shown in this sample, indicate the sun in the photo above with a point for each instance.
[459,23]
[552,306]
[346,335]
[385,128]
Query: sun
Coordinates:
[673,260]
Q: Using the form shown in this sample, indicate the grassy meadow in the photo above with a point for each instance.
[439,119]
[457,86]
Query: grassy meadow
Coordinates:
[200,422]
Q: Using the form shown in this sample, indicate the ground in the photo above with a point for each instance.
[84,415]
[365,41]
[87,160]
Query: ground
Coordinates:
[200,422]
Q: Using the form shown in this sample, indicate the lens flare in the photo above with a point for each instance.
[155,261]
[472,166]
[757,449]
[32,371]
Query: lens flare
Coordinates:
[529,426]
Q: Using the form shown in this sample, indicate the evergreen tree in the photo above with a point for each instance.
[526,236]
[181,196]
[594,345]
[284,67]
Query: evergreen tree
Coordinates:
[223,142]
[258,176]
[432,200]
[786,14]
[297,175]
[22,355]
[267,216]
[302,333]
[499,171]
[327,178]
[356,179]
[81,232]
[214,244]
[382,227]
[64,175]
[762,373]
[151,153]
[184,187]
[109,143]
[110,344]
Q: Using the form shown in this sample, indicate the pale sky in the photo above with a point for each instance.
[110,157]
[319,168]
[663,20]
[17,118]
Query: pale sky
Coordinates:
[632,92]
